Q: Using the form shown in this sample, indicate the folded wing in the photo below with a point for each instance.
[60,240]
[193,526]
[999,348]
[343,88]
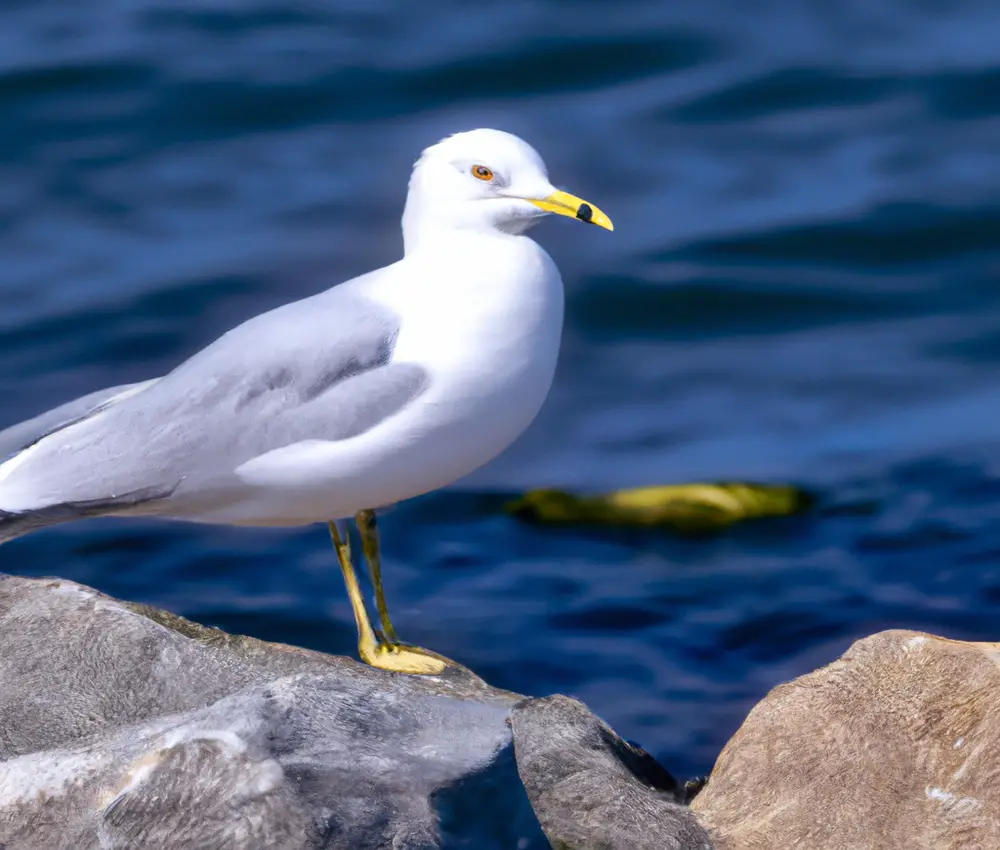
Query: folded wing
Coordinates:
[318,369]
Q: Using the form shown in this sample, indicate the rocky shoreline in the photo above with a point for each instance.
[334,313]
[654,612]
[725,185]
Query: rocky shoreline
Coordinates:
[122,726]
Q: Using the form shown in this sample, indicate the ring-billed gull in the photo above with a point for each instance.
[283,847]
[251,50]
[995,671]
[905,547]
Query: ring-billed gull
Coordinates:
[382,388]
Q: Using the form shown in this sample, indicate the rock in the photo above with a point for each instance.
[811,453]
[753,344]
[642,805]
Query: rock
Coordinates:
[680,508]
[892,747]
[123,727]
[592,790]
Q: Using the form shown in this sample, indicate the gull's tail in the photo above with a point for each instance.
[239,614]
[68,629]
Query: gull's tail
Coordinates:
[18,438]
[13,524]
[9,527]
[16,524]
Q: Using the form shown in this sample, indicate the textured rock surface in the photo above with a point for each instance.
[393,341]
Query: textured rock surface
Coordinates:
[895,746]
[564,753]
[122,727]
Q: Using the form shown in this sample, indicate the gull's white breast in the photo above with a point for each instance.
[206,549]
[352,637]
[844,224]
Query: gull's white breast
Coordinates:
[482,315]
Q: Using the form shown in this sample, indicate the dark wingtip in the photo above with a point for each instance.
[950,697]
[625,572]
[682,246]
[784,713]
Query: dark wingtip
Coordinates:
[17,524]
[12,525]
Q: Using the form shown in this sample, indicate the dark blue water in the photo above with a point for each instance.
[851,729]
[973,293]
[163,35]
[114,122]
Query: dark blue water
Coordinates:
[802,286]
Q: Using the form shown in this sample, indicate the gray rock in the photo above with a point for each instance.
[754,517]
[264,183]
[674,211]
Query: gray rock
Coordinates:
[590,789]
[124,727]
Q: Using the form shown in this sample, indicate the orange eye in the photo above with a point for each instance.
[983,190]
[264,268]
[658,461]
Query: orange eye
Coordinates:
[482,172]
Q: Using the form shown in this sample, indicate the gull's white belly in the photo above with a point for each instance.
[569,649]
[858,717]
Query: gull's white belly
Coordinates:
[489,349]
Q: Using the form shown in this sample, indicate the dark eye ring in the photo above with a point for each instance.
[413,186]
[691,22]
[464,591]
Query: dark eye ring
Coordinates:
[482,172]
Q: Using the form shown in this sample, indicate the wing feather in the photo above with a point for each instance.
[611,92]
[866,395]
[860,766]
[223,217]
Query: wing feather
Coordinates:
[23,434]
[315,369]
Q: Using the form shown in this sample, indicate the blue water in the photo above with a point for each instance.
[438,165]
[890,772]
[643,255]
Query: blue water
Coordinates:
[802,286]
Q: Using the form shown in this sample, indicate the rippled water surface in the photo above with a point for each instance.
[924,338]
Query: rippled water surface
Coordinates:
[802,286]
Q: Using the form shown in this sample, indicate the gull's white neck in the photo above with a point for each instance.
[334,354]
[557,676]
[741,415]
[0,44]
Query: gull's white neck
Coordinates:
[493,284]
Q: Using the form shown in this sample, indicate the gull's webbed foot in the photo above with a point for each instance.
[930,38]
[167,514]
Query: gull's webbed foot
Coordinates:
[403,658]
[385,654]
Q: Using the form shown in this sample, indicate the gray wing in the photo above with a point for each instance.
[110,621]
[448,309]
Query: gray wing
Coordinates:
[23,434]
[315,369]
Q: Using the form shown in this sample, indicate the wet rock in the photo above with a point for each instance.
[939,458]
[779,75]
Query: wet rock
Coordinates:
[125,727]
[892,747]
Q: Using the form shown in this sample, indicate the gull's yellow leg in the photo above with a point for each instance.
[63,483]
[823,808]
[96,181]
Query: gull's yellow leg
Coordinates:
[401,659]
[367,645]
[368,526]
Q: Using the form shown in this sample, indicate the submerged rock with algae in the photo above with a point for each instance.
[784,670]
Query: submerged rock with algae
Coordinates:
[690,508]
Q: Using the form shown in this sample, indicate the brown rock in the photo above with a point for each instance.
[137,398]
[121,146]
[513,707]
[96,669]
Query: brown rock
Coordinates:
[894,745]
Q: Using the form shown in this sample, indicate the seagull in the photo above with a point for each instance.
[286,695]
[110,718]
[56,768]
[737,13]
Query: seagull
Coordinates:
[380,389]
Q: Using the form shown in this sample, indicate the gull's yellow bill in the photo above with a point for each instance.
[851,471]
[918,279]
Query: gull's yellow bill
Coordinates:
[563,203]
